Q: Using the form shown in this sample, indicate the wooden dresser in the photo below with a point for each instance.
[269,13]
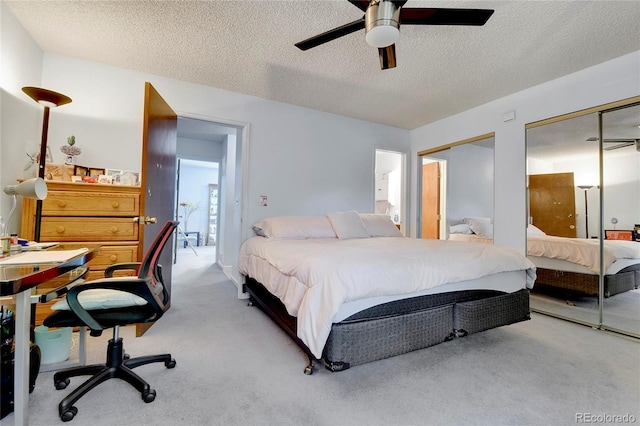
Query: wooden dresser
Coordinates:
[87,214]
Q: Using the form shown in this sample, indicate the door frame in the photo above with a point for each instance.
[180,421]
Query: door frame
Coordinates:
[238,232]
[403,216]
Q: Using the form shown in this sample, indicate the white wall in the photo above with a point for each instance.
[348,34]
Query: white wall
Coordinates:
[194,188]
[607,82]
[20,65]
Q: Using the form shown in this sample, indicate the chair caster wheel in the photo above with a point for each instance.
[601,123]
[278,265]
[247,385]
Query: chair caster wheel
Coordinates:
[170,364]
[126,356]
[62,384]
[308,370]
[149,396]
[69,414]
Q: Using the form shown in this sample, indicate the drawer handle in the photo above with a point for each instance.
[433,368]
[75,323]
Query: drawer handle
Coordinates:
[115,204]
[114,230]
[60,229]
[62,203]
[113,258]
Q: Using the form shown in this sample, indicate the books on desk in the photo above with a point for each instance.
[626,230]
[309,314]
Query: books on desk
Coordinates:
[42,256]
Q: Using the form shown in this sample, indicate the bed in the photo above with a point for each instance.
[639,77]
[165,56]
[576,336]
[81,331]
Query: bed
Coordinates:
[568,267]
[350,289]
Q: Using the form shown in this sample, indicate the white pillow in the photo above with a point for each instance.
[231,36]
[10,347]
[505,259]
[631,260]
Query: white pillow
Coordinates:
[460,228]
[480,225]
[102,299]
[380,225]
[532,230]
[295,227]
[347,225]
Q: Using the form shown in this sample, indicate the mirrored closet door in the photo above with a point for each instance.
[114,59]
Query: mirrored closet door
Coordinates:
[621,216]
[457,190]
[584,198]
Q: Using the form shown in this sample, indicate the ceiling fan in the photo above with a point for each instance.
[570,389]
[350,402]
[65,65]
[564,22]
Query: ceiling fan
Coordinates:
[619,143]
[382,20]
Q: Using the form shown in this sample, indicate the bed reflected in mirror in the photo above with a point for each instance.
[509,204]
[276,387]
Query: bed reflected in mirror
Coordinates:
[457,190]
[573,207]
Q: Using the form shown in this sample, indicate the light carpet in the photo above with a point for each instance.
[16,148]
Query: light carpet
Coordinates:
[236,367]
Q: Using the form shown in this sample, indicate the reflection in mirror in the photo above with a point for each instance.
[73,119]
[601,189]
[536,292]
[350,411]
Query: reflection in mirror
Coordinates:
[457,190]
[388,186]
[621,216]
[568,221]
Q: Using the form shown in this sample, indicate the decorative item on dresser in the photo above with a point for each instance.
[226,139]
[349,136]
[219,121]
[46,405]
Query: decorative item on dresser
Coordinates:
[85,214]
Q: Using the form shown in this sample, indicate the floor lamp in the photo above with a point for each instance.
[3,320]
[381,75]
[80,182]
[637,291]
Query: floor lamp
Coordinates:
[48,99]
[586,207]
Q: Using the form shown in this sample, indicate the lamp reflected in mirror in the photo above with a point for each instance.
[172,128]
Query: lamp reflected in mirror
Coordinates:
[586,188]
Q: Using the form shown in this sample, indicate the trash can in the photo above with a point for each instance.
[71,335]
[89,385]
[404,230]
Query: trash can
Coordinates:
[55,344]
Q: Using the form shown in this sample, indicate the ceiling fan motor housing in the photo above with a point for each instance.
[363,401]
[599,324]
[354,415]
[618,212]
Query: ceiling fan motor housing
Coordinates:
[382,23]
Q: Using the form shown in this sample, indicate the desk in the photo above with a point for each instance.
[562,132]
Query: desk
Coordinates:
[197,234]
[24,281]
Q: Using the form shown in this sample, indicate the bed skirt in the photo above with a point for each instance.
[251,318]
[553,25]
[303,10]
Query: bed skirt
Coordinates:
[402,326]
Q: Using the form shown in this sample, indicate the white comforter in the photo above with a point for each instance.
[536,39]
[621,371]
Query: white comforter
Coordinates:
[324,273]
[585,252]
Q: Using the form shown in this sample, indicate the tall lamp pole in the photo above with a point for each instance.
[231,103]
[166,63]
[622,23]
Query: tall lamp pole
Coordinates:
[586,208]
[48,99]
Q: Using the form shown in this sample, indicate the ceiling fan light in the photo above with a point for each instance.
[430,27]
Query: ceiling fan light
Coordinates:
[382,24]
[382,36]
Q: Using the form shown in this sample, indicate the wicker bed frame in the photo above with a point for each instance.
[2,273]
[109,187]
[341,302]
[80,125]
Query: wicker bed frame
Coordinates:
[402,326]
[572,283]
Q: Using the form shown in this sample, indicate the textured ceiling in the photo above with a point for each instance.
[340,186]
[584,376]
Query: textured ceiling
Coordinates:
[248,47]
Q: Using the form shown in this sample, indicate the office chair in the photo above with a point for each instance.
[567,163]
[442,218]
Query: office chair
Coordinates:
[112,302]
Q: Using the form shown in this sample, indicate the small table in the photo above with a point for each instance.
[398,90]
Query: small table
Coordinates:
[34,279]
[196,233]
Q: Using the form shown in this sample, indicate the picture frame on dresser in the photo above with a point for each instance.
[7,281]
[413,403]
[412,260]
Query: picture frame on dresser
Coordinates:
[130,178]
[116,174]
[95,171]
[80,171]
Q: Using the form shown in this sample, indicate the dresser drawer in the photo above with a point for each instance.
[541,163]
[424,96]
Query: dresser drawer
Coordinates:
[61,203]
[110,255]
[88,229]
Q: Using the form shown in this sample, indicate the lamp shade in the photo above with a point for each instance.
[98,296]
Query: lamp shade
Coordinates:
[31,188]
[48,98]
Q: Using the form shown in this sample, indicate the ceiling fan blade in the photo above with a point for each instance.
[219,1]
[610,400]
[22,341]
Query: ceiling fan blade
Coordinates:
[360,4]
[387,57]
[620,145]
[439,16]
[331,35]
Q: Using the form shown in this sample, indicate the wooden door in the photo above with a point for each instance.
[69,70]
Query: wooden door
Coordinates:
[431,200]
[552,202]
[158,180]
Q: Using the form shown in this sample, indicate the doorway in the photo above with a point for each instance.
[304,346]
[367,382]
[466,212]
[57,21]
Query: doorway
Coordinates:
[205,139]
[197,205]
[389,185]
